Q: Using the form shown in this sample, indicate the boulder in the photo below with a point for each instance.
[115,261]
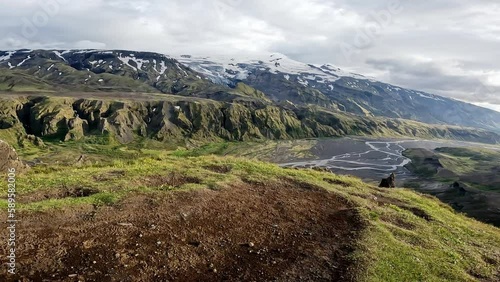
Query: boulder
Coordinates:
[459,188]
[77,128]
[389,182]
[35,140]
[9,159]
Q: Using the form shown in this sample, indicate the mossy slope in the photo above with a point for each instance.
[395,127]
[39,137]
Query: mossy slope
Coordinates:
[406,236]
[177,119]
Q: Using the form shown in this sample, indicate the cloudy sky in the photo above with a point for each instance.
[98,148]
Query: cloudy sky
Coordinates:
[446,47]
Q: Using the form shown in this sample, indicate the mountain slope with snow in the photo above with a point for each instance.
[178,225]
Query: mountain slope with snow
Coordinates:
[286,80]
[272,78]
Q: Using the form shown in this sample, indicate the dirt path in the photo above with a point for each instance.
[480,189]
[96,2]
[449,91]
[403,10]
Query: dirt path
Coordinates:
[291,232]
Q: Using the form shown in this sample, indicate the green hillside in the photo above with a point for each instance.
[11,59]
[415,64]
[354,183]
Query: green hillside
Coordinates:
[118,192]
[476,167]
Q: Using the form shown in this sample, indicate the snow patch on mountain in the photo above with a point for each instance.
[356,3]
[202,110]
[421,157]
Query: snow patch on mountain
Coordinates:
[163,68]
[59,54]
[141,62]
[7,56]
[428,96]
[24,61]
[179,68]
[126,60]
[223,69]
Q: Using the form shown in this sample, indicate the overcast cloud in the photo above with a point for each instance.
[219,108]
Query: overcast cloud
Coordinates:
[446,47]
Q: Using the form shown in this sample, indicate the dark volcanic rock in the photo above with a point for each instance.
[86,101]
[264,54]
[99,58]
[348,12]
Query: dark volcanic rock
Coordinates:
[389,182]
[459,188]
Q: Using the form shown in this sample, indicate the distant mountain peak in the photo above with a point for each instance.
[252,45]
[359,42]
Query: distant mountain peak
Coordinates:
[279,78]
[223,68]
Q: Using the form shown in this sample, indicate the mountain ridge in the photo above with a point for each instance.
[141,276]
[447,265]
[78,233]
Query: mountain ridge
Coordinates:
[176,119]
[275,80]
[350,92]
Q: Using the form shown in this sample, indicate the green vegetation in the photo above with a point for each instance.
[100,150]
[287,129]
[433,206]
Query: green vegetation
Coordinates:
[268,150]
[19,81]
[406,237]
[476,167]
[177,119]
[99,151]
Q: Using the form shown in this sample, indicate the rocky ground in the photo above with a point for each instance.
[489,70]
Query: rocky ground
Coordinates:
[248,232]
[9,158]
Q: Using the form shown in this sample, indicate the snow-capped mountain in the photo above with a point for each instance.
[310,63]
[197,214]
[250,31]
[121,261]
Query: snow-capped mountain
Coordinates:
[287,80]
[225,69]
[272,78]
[102,70]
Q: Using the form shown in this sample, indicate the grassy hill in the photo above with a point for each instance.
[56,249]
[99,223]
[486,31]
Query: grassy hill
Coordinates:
[466,178]
[476,167]
[129,212]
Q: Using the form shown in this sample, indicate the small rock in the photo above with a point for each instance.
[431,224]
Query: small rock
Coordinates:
[251,244]
[158,243]
[72,275]
[194,243]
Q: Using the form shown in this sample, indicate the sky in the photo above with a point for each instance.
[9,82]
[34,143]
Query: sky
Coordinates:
[446,47]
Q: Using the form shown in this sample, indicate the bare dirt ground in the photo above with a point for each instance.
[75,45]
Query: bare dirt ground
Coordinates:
[251,232]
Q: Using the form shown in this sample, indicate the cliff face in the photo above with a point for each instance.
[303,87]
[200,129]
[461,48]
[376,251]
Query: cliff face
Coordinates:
[71,119]
[176,120]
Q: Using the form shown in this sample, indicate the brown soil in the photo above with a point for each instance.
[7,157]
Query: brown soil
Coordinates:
[246,233]
[173,179]
[64,192]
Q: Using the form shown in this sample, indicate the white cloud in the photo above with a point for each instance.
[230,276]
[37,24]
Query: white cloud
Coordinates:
[87,44]
[493,78]
[489,106]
